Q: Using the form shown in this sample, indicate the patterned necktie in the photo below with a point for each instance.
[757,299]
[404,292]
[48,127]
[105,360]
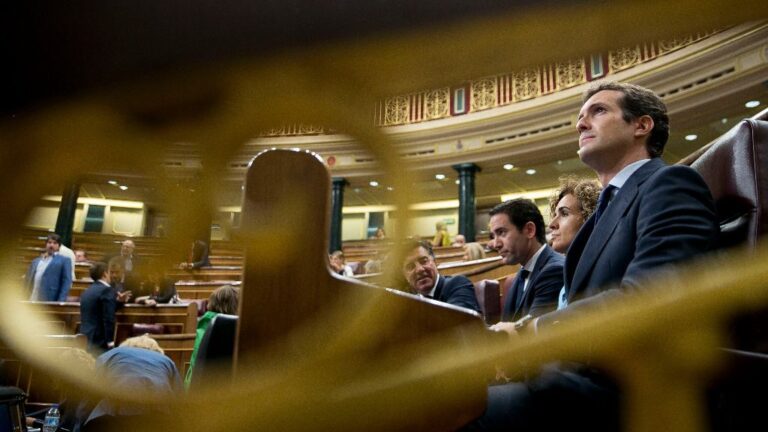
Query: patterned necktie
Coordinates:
[603,201]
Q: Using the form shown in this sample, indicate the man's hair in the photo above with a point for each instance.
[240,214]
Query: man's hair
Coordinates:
[224,299]
[55,237]
[585,191]
[637,102]
[337,254]
[521,211]
[410,245]
[117,261]
[144,342]
[97,270]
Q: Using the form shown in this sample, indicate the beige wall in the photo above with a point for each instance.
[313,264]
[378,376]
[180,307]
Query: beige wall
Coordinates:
[354,226]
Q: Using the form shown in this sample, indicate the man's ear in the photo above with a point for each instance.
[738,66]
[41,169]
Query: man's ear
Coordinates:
[529,230]
[644,126]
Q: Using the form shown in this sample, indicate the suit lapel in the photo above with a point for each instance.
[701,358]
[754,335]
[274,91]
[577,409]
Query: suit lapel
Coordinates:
[439,287]
[540,262]
[592,239]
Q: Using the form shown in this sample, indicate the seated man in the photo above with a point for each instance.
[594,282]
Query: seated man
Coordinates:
[420,271]
[140,367]
[198,256]
[517,228]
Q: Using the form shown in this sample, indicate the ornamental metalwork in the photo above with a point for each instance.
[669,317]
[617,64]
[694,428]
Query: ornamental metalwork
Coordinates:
[396,110]
[437,103]
[624,58]
[504,89]
[483,94]
[526,84]
[666,46]
[571,73]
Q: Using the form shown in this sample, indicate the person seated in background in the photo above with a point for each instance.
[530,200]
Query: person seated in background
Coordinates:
[122,283]
[73,408]
[570,206]
[138,367]
[380,234]
[198,256]
[224,300]
[339,264]
[459,240]
[81,256]
[442,238]
[420,271]
[97,310]
[518,234]
[473,251]
[156,288]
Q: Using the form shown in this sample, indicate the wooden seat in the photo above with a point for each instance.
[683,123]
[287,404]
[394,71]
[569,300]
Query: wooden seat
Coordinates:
[349,326]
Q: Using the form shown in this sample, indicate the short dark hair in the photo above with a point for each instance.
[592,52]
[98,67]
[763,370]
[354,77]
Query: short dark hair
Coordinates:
[521,211]
[55,237]
[637,102]
[412,244]
[97,270]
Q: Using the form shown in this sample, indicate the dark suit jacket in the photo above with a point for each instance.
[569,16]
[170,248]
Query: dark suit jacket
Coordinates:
[200,254]
[456,290]
[662,215]
[544,285]
[97,314]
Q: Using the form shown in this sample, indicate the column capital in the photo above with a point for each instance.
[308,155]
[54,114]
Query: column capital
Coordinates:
[468,167]
[339,182]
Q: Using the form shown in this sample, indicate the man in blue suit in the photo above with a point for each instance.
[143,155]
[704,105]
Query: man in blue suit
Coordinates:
[517,231]
[650,216]
[49,277]
[420,270]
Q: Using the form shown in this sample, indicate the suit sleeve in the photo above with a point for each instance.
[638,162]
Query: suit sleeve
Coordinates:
[108,307]
[461,292]
[203,258]
[548,286]
[676,221]
[66,279]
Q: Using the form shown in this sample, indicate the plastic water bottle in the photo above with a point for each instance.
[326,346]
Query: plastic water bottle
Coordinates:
[52,417]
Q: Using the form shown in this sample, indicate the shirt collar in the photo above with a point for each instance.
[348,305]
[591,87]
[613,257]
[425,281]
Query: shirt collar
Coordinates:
[434,288]
[626,173]
[532,262]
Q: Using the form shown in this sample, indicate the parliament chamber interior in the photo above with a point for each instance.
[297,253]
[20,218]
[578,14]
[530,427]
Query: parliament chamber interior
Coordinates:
[292,154]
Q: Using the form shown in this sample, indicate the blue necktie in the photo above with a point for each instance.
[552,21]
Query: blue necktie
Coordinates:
[603,201]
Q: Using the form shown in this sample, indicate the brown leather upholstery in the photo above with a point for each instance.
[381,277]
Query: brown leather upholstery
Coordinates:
[735,166]
[138,329]
[489,299]
[202,306]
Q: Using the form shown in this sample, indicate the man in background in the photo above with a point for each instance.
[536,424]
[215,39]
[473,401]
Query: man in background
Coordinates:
[49,277]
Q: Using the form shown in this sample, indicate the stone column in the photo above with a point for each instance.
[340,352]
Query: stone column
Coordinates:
[65,221]
[467,199]
[337,202]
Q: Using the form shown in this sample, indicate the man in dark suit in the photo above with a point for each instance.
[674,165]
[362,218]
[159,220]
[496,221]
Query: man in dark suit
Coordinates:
[650,216]
[49,277]
[97,310]
[517,231]
[420,270]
